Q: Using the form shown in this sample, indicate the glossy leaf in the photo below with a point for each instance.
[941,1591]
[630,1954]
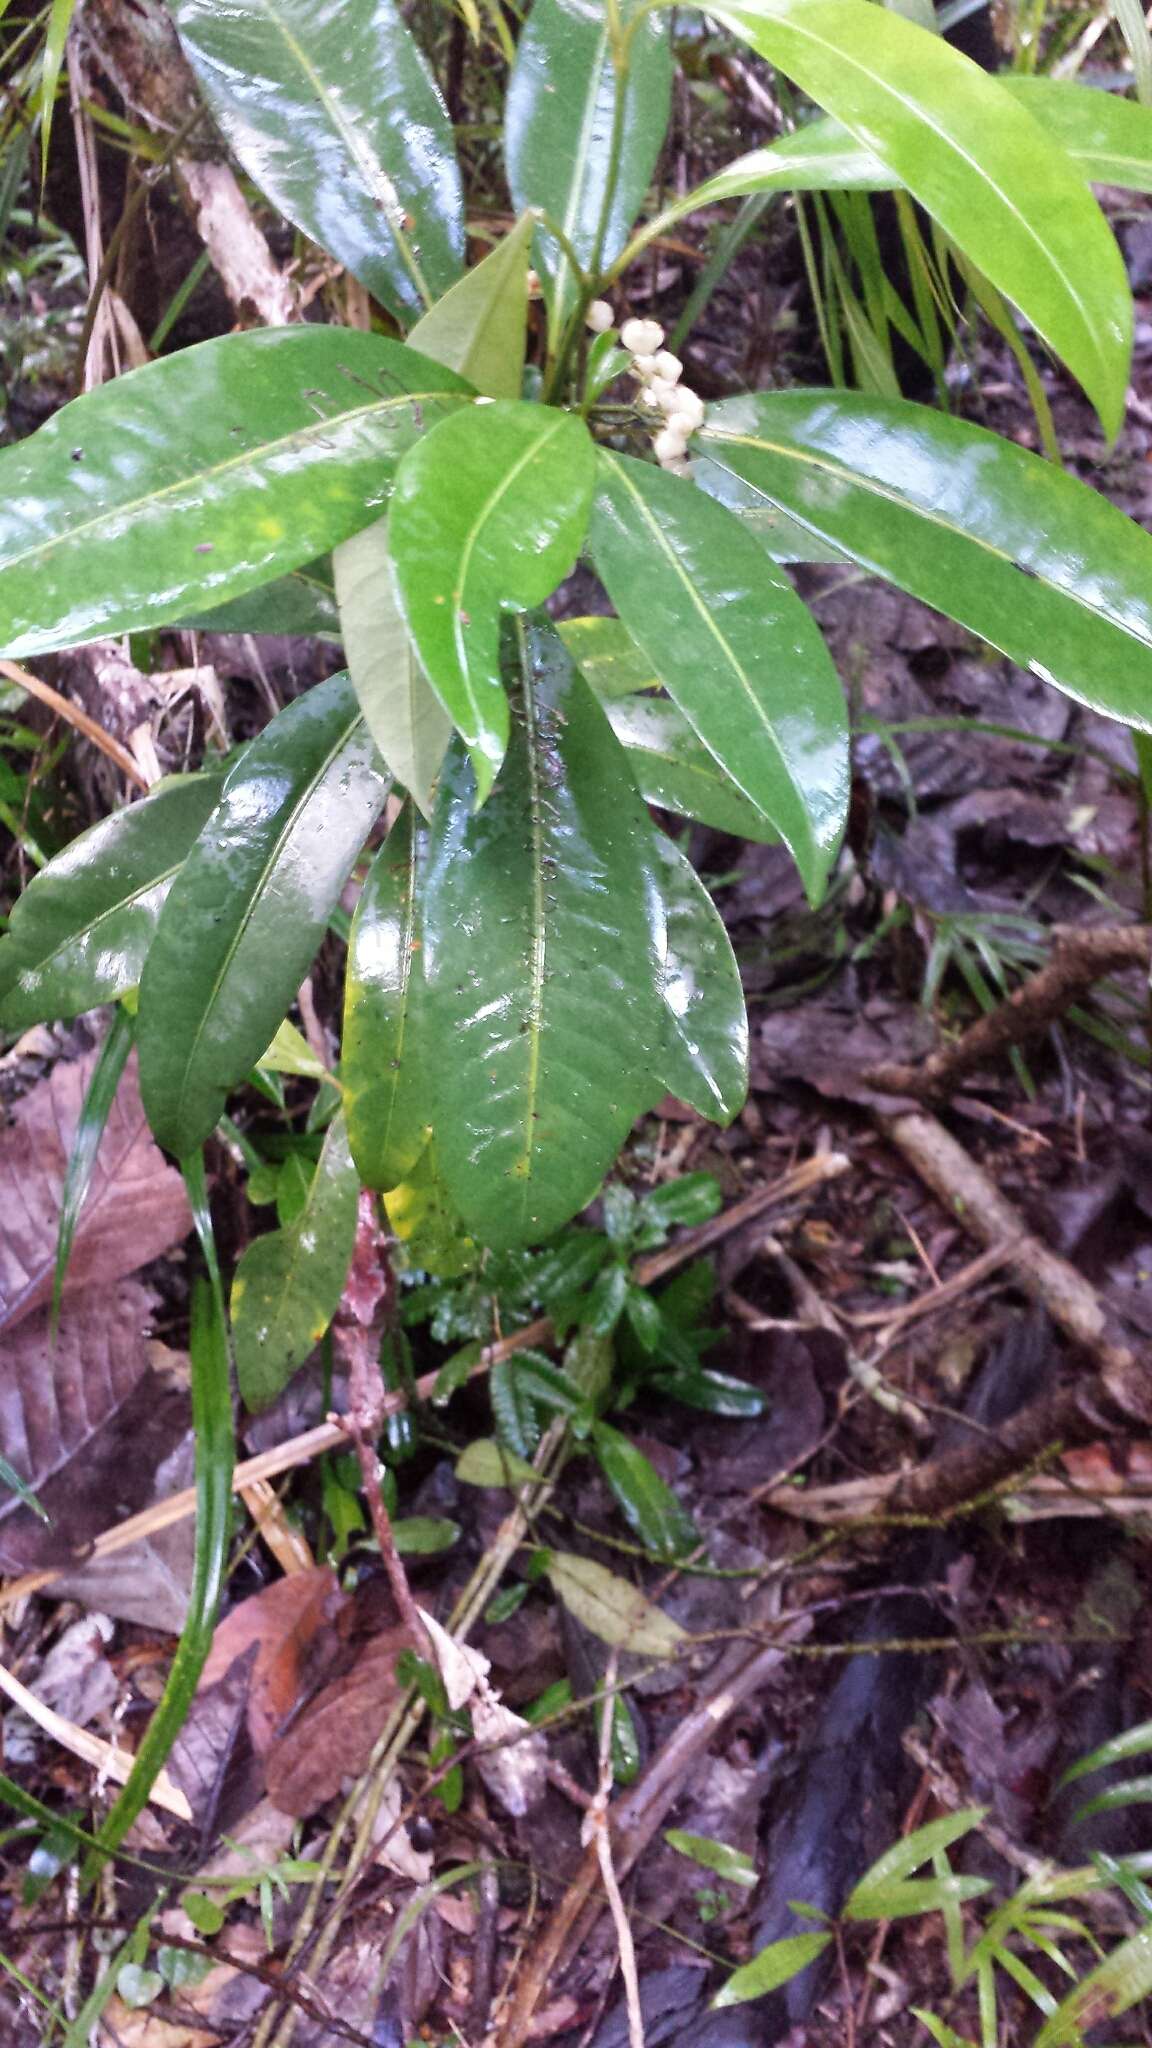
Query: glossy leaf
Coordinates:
[333,111]
[288,1284]
[484,1462]
[900,1900]
[912,1851]
[558,132]
[607,656]
[250,905]
[976,161]
[488,512]
[775,1965]
[716,1393]
[542,1000]
[301,602]
[422,1215]
[1113,1987]
[730,1864]
[675,770]
[612,1608]
[649,1505]
[1119,1749]
[1107,138]
[90,1128]
[480,327]
[706,1034]
[736,650]
[401,710]
[202,476]
[386,1082]
[1038,564]
[80,933]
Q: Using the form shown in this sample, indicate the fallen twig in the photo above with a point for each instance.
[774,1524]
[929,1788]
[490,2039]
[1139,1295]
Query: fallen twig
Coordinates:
[77,718]
[107,1759]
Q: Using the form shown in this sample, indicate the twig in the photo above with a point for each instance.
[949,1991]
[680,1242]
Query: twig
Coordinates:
[595,1832]
[107,1759]
[77,718]
[1079,959]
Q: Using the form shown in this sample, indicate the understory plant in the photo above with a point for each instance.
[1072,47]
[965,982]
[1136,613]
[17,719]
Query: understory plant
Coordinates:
[532,962]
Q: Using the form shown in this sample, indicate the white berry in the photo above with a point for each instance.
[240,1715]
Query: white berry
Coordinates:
[670,443]
[599,316]
[668,366]
[689,408]
[642,337]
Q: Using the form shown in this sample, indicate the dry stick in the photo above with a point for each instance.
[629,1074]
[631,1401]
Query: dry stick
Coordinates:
[77,718]
[106,1758]
[1079,959]
[595,1834]
[330,1436]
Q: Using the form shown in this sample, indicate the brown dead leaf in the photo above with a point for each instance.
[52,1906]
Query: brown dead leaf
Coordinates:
[86,1421]
[288,1622]
[334,1738]
[136,1207]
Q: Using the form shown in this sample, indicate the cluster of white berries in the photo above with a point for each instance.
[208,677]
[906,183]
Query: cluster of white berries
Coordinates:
[659,373]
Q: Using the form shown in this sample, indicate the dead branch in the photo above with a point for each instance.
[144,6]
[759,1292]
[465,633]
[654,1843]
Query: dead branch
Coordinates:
[1079,959]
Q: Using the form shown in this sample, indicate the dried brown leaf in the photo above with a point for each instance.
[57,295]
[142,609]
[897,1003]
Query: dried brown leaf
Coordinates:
[289,1624]
[136,1207]
[334,1738]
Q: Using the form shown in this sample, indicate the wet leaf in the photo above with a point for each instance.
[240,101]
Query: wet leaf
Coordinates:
[250,905]
[387,1086]
[737,651]
[607,657]
[976,161]
[135,1210]
[1023,554]
[480,327]
[80,932]
[303,602]
[676,770]
[288,1284]
[331,108]
[424,1218]
[918,1848]
[287,440]
[401,710]
[542,1000]
[558,123]
[775,1965]
[611,1608]
[705,1061]
[649,1506]
[730,1864]
[488,513]
[334,1737]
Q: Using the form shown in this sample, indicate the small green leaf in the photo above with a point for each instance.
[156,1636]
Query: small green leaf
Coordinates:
[484,1462]
[204,1913]
[611,1608]
[716,1393]
[386,1082]
[705,1060]
[650,1507]
[676,771]
[331,108]
[487,516]
[98,1100]
[775,1965]
[79,935]
[730,1864]
[735,648]
[424,1535]
[288,1284]
[689,1199]
[513,1410]
[898,1899]
[1119,1749]
[137,1986]
[1023,554]
[110,522]
[607,657]
[401,710]
[290,1053]
[911,1851]
[250,905]
[558,133]
[424,1218]
[480,327]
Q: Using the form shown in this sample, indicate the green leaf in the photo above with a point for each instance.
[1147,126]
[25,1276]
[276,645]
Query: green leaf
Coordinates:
[386,1083]
[480,327]
[689,1199]
[558,124]
[734,647]
[607,657]
[728,1863]
[290,1053]
[943,2035]
[918,1848]
[424,1535]
[250,906]
[80,933]
[543,1014]
[98,1100]
[1118,1750]
[612,1609]
[716,1393]
[898,1900]
[487,514]
[673,768]
[422,1215]
[1109,139]
[1130,1792]
[484,1462]
[775,1965]
[201,476]
[303,602]
[1038,564]
[650,1507]
[513,1410]
[706,1025]
[288,1284]
[976,161]
[401,710]
[331,108]
[1118,1983]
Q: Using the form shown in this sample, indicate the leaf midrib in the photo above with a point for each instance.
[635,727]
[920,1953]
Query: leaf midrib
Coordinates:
[869,485]
[85,931]
[499,490]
